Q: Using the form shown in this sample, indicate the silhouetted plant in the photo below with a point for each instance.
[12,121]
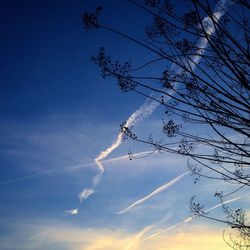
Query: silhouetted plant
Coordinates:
[206,86]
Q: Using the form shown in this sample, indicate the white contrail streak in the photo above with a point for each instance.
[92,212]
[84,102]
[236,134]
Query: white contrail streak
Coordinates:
[156,191]
[85,194]
[133,244]
[41,234]
[145,110]
[226,202]
[162,231]
[55,170]
[189,219]
[27,177]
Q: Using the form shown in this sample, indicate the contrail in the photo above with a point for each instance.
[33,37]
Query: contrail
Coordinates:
[226,202]
[54,170]
[47,172]
[100,158]
[134,242]
[162,231]
[189,219]
[27,177]
[145,110]
[40,234]
[85,194]
[156,191]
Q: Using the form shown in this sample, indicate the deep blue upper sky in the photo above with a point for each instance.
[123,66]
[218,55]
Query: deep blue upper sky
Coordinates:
[45,59]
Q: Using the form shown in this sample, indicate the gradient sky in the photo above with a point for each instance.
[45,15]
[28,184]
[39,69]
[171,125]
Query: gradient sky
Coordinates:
[57,114]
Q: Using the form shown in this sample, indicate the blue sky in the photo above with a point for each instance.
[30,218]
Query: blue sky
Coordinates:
[56,115]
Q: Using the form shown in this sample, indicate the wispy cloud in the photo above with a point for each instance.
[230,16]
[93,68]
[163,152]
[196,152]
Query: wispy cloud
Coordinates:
[155,192]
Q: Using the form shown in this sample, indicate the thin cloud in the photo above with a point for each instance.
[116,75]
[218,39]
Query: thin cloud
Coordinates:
[155,192]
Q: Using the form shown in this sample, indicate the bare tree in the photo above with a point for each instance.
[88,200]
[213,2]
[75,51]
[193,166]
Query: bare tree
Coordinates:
[205,87]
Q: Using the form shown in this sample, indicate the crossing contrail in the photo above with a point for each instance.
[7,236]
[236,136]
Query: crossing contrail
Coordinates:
[133,244]
[189,219]
[155,192]
[144,111]
[55,170]
[40,234]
